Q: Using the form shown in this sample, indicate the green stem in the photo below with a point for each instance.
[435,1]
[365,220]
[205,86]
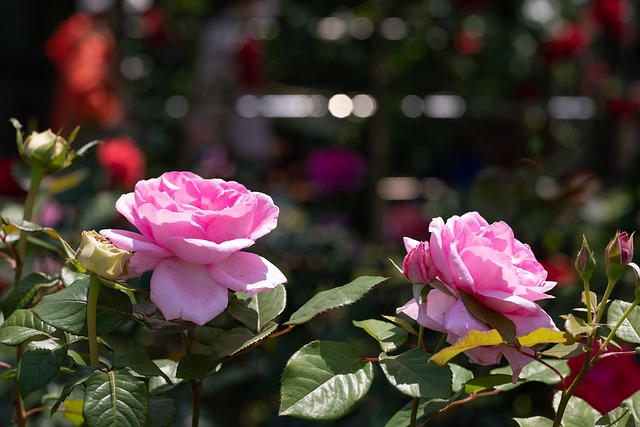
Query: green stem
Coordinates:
[624,316]
[587,297]
[37,173]
[92,308]
[605,297]
[566,394]
[196,385]
[416,400]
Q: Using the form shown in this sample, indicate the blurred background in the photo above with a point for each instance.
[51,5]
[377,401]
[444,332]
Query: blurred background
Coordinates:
[363,120]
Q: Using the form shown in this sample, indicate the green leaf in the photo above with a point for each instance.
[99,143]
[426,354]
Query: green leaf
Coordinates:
[486,382]
[562,351]
[38,366]
[536,371]
[67,309]
[460,376]
[576,326]
[162,413]
[412,374]
[578,412]
[618,417]
[79,376]
[257,311]
[73,411]
[629,330]
[323,381]
[226,343]
[158,385]
[390,336]
[23,294]
[633,404]
[139,362]
[472,340]
[115,398]
[334,298]
[194,366]
[22,326]
[497,321]
[534,422]
[402,323]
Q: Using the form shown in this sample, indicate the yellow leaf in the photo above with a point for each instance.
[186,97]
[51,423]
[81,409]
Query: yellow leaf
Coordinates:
[73,411]
[545,335]
[472,340]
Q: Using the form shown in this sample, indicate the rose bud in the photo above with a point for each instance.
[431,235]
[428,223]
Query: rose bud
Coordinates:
[45,149]
[417,266]
[98,255]
[619,251]
[585,261]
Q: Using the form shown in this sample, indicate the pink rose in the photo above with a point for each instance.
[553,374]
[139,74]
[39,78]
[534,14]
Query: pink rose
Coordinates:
[192,231]
[487,262]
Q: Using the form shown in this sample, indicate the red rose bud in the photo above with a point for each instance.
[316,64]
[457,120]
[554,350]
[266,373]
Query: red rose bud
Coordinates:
[619,251]
[585,261]
[417,266]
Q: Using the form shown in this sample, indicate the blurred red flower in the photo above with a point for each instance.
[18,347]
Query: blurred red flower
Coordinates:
[560,268]
[467,42]
[568,41]
[609,382]
[123,161]
[83,49]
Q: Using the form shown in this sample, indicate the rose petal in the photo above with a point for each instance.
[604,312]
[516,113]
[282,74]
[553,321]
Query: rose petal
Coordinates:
[410,243]
[247,272]
[201,251]
[182,290]
[134,242]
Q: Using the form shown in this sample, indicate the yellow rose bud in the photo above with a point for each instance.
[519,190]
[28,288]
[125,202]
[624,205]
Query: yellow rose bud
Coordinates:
[98,255]
[45,149]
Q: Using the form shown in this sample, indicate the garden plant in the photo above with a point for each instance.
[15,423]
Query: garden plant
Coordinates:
[472,284]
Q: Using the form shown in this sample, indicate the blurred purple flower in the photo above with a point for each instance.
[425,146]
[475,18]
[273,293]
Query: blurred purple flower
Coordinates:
[335,170]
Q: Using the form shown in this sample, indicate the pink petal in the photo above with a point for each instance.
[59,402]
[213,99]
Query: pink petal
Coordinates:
[203,251]
[247,272]
[410,243]
[182,290]
[134,242]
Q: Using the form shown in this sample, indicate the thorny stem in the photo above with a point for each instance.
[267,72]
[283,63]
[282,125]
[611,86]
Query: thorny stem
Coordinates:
[467,399]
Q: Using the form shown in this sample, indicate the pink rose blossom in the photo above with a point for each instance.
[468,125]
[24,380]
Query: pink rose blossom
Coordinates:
[192,231]
[487,262]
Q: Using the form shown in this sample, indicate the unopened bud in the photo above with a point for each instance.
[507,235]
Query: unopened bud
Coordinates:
[98,255]
[585,261]
[619,251]
[45,149]
[417,266]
